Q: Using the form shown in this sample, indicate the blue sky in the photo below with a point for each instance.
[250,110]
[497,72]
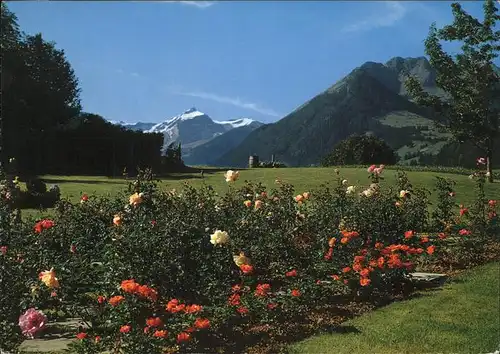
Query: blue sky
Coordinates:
[148,61]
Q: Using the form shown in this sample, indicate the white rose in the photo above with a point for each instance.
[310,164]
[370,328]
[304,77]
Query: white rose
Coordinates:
[219,237]
[344,182]
[351,189]
[368,192]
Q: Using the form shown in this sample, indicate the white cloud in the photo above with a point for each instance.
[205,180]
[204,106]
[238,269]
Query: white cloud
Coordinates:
[230,100]
[393,12]
[198,4]
[133,74]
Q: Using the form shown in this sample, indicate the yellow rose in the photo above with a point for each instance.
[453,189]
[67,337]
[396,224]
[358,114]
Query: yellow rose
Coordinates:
[403,193]
[219,237]
[231,175]
[350,189]
[241,259]
[48,277]
[247,203]
[135,199]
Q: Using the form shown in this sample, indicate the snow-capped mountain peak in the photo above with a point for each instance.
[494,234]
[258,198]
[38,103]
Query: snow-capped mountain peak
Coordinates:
[236,123]
[192,128]
[189,114]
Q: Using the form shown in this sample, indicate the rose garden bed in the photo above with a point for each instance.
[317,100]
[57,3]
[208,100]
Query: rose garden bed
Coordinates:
[192,271]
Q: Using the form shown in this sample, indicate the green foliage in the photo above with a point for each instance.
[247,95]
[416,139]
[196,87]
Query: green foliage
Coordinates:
[360,150]
[443,214]
[43,94]
[271,164]
[471,109]
[298,244]
[11,270]
[88,144]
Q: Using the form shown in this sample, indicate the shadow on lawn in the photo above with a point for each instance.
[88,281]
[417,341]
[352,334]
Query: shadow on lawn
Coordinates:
[84,181]
[177,176]
[342,329]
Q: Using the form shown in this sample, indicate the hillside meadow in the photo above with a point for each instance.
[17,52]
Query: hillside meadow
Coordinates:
[303,179]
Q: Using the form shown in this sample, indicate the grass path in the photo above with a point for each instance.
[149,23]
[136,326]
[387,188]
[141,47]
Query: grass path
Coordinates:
[463,317]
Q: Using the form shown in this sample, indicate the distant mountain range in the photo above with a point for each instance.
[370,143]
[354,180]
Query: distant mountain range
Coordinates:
[203,139]
[370,100]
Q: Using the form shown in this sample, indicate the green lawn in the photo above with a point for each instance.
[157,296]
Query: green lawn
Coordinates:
[304,179]
[463,317]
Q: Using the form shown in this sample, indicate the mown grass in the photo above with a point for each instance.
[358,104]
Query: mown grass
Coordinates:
[303,179]
[460,318]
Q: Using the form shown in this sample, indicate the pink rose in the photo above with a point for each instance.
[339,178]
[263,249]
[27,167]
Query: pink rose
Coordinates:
[371,168]
[464,232]
[481,161]
[31,322]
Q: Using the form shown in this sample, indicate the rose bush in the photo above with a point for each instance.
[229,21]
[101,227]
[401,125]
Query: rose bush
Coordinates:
[152,271]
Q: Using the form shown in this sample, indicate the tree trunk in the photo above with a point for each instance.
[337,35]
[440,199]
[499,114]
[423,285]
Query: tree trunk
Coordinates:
[489,165]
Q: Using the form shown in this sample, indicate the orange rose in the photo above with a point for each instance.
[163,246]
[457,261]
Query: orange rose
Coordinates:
[299,198]
[202,323]
[234,300]
[183,337]
[246,268]
[116,300]
[129,286]
[408,234]
[365,273]
[160,334]
[193,308]
[125,329]
[117,220]
[48,277]
[364,281]
[154,322]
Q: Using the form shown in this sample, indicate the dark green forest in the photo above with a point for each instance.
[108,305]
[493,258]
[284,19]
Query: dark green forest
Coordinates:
[43,126]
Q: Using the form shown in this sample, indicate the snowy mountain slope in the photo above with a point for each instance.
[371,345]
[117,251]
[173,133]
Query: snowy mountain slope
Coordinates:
[193,129]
